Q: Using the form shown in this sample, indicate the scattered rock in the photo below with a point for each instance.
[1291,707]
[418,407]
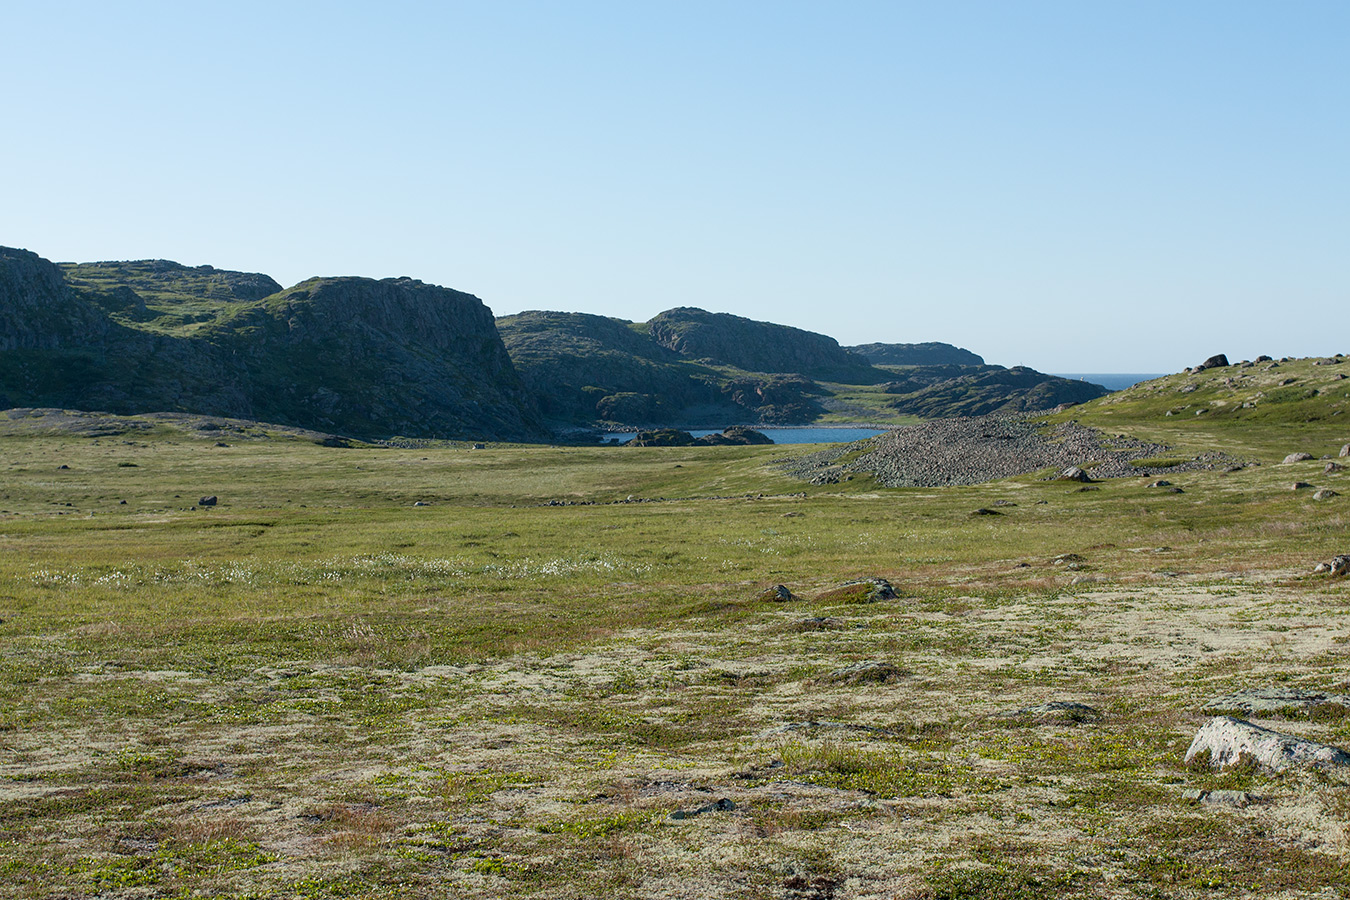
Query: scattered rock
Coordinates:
[1161,483]
[982,511]
[779,593]
[421,503]
[869,672]
[1066,559]
[63,466]
[1055,712]
[867,590]
[1297,457]
[1332,467]
[1229,742]
[1340,566]
[722,805]
[1321,567]
[1074,473]
[478,447]
[1215,798]
[1218,361]
[1345,451]
[1003,503]
[1284,702]
[207,501]
[1325,494]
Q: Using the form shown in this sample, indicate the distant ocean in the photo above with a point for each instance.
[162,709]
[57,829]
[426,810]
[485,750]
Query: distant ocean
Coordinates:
[1112,381]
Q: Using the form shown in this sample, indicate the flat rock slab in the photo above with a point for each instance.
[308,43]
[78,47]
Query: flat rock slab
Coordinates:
[1218,798]
[1276,702]
[1232,741]
[813,726]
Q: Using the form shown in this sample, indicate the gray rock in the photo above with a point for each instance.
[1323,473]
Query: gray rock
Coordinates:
[1055,712]
[982,511]
[1345,451]
[1218,361]
[1275,701]
[1325,494]
[1332,467]
[1231,741]
[868,672]
[1217,798]
[723,805]
[1297,457]
[779,593]
[1160,483]
[1299,486]
[1340,566]
[1074,473]
[208,501]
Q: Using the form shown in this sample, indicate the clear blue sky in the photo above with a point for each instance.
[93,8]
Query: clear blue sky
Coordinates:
[1075,186]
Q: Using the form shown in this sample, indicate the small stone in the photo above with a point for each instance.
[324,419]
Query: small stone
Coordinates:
[1325,494]
[1340,566]
[1160,483]
[421,503]
[1299,486]
[982,511]
[1332,467]
[1345,451]
[1074,473]
[1297,457]
[207,501]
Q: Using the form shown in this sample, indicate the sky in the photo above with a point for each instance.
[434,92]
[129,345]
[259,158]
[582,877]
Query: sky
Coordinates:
[1074,186]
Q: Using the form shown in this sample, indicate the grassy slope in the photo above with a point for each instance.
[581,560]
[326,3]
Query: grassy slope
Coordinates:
[317,689]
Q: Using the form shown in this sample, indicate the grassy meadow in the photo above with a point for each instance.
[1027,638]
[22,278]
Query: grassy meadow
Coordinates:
[516,671]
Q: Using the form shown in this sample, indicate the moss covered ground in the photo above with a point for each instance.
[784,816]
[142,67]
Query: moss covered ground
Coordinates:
[440,671]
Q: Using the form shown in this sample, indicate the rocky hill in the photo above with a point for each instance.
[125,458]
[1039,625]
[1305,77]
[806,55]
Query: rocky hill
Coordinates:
[351,355]
[753,346]
[932,353]
[935,391]
[373,359]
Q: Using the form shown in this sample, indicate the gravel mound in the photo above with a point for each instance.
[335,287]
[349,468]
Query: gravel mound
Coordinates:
[975,449]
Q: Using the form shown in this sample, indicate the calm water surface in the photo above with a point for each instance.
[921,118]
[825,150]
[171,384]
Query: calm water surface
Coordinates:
[802,435]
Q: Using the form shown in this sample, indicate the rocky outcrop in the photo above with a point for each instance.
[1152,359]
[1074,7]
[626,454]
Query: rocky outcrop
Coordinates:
[757,346]
[965,391]
[931,353]
[350,355]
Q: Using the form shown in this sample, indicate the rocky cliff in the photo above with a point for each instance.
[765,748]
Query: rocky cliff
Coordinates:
[931,353]
[353,355]
[756,346]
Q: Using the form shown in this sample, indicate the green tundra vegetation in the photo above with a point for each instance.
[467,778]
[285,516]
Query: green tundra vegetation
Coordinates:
[426,669]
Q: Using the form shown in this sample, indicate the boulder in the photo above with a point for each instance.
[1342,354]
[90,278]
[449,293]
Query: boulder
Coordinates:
[208,501]
[1345,451]
[865,590]
[779,593]
[1218,361]
[870,672]
[1325,494]
[1055,712]
[1332,467]
[1297,457]
[1230,741]
[1074,473]
[1340,566]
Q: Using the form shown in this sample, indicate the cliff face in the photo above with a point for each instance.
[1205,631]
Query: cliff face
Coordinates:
[363,357]
[38,310]
[755,346]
